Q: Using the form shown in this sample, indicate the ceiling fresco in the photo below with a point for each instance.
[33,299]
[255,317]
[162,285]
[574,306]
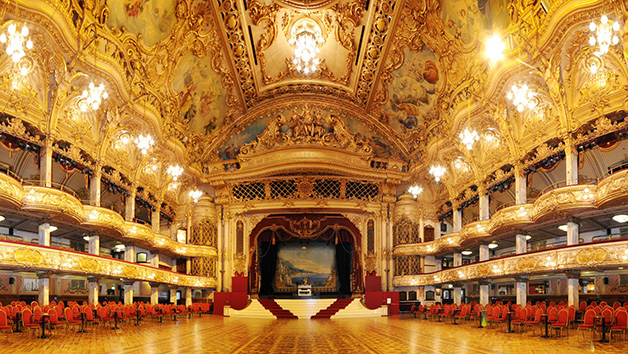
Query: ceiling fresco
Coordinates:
[467,19]
[152,20]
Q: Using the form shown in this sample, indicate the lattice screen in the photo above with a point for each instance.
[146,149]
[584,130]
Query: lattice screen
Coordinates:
[204,267]
[407,265]
[405,231]
[204,234]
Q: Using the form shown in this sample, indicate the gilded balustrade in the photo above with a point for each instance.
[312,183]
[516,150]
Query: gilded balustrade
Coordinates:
[60,205]
[597,256]
[555,204]
[33,257]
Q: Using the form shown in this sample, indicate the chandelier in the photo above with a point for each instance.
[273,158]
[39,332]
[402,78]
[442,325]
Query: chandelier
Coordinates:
[604,34]
[437,171]
[92,97]
[144,142]
[306,40]
[175,171]
[15,42]
[522,97]
[415,190]
[196,195]
[469,137]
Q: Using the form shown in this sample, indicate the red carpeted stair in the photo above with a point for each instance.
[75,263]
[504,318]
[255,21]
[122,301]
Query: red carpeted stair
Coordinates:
[338,305]
[277,311]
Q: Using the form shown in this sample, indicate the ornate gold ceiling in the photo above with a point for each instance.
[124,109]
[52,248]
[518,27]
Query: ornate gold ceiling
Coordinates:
[206,78]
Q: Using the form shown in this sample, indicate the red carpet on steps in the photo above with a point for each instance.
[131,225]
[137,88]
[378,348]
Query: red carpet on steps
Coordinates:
[272,306]
[338,305]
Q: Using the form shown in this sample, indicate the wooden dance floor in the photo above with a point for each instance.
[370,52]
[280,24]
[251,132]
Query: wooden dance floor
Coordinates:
[213,334]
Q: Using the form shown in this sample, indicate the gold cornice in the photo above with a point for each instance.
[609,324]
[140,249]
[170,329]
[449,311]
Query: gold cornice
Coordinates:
[31,257]
[579,257]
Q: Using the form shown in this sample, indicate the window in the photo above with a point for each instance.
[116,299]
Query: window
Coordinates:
[141,257]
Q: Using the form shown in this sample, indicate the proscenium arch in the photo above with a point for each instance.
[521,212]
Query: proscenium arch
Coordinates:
[327,222]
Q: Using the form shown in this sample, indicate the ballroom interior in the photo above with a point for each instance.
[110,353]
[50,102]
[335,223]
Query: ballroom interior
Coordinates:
[214,166]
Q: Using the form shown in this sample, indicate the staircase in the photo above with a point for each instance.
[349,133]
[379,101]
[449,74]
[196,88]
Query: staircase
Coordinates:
[332,309]
[277,311]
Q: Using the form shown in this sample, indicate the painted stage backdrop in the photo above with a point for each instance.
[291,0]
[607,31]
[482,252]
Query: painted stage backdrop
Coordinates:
[314,261]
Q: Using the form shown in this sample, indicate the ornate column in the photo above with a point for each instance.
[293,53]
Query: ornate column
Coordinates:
[188,297]
[203,229]
[483,203]
[573,231]
[521,185]
[43,281]
[129,205]
[45,163]
[173,294]
[571,159]
[128,292]
[573,291]
[94,186]
[154,293]
[154,259]
[93,289]
[44,233]
[93,244]
[457,216]
[129,253]
[457,293]
[521,289]
[521,244]
[484,284]
[155,220]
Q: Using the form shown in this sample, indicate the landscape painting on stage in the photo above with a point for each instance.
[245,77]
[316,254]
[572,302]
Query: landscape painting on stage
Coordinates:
[314,261]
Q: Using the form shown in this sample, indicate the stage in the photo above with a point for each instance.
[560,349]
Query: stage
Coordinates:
[305,309]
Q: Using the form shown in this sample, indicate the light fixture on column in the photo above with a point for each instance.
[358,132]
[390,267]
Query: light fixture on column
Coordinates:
[144,142]
[53,228]
[604,34]
[415,190]
[175,171]
[16,41]
[92,97]
[466,252]
[522,96]
[196,195]
[493,245]
[306,38]
[437,171]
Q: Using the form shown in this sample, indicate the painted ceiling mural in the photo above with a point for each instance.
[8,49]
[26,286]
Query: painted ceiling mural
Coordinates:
[153,20]
[466,20]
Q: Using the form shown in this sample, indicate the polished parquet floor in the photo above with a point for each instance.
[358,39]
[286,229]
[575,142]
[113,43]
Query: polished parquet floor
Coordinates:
[213,334]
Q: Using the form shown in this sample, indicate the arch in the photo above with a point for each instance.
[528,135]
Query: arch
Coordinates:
[312,227]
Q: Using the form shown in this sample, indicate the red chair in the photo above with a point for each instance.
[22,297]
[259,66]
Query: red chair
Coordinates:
[536,321]
[69,318]
[561,322]
[521,315]
[621,323]
[4,324]
[552,313]
[572,314]
[589,323]
[616,305]
[54,322]
[583,306]
[27,321]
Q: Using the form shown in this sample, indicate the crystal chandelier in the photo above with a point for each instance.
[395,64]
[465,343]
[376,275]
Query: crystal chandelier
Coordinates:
[306,40]
[469,137]
[437,171]
[15,42]
[175,171]
[196,195]
[144,142]
[522,97]
[415,190]
[92,97]
[604,34]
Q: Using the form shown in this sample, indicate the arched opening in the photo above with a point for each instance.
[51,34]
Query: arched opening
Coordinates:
[323,251]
